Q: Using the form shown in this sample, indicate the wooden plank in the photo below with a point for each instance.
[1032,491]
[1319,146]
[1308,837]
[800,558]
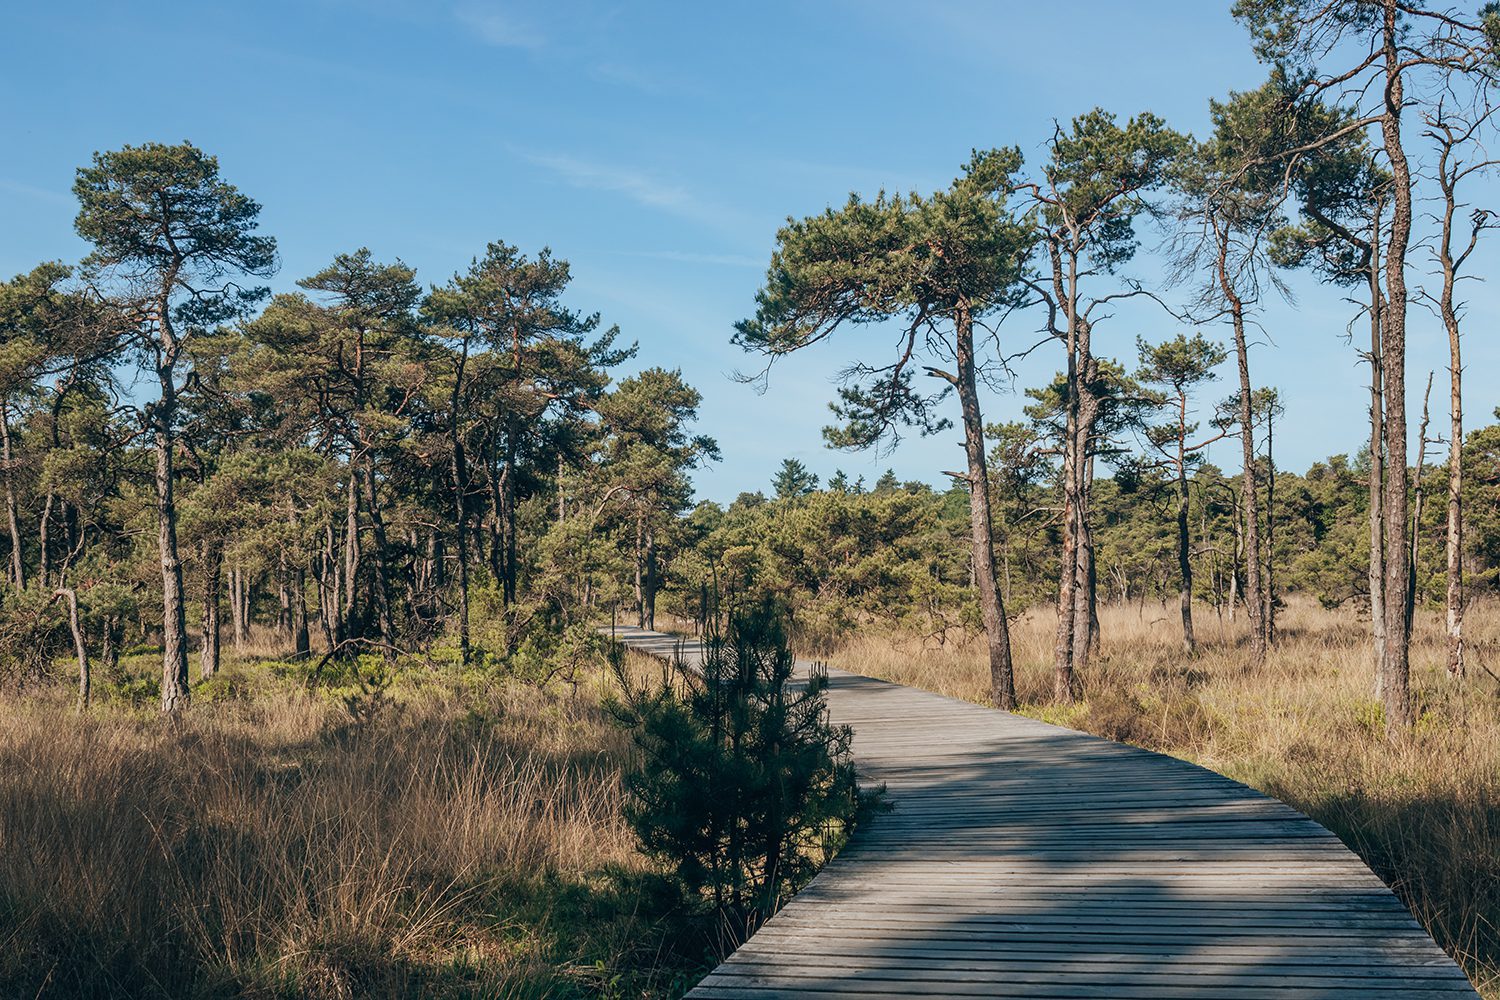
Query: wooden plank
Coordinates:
[1026,860]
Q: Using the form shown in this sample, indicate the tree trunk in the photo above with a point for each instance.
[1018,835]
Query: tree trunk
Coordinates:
[1393,360]
[1418,501]
[212,557]
[12,509]
[1376,484]
[80,648]
[496,519]
[461,538]
[640,572]
[44,540]
[510,519]
[109,653]
[330,613]
[651,578]
[175,692]
[382,559]
[238,606]
[1184,553]
[981,525]
[1454,596]
[1249,491]
[301,641]
[352,552]
[1268,603]
[283,598]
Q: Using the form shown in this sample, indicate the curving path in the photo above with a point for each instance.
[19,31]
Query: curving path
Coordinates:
[1026,860]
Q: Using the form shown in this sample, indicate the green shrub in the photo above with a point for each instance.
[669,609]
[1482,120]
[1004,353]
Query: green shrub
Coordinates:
[743,789]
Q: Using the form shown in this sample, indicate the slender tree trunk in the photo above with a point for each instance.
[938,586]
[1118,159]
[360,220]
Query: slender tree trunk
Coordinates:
[330,611]
[80,648]
[1234,565]
[1376,483]
[1269,601]
[651,578]
[461,537]
[1184,552]
[1454,597]
[497,515]
[212,558]
[640,572]
[981,525]
[283,597]
[239,628]
[12,509]
[1393,357]
[1418,501]
[44,540]
[174,684]
[510,519]
[1249,489]
[352,553]
[109,653]
[301,641]
[1084,626]
[382,558]
[1065,645]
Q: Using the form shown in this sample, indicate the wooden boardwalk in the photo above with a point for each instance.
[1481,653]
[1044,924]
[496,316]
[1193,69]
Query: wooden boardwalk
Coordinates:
[1026,860]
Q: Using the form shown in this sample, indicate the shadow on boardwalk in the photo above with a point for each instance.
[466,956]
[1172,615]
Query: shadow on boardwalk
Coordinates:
[1026,860]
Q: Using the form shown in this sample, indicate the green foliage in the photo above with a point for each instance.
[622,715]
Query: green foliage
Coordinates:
[163,213]
[793,480]
[743,788]
[946,258]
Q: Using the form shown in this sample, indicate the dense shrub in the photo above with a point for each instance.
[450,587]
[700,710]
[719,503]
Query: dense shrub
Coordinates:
[743,788]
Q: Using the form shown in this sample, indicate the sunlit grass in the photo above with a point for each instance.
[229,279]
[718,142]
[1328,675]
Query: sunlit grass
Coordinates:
[442,836]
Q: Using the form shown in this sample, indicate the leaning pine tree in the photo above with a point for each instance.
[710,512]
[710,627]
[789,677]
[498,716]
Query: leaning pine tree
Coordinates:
[936,266]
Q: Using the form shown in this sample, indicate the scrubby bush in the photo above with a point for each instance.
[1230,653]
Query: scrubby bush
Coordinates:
[743,788]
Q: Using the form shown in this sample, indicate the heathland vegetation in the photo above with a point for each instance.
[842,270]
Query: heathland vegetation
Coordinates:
[303,693]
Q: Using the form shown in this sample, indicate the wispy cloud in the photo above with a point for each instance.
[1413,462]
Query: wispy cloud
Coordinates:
[499,28]
[31,191]
[693,257]
[639,186]
[635,78]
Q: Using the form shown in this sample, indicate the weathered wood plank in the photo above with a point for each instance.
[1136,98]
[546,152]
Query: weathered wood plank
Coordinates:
[1025,860]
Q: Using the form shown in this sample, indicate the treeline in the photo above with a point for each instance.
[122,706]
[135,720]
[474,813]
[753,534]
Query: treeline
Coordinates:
[357,465]
[369,460]
[1353,161]
[893,554]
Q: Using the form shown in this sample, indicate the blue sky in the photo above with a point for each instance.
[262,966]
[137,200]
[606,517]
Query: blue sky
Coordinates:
[655,146]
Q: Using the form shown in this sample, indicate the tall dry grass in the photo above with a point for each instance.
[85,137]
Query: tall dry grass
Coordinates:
[448,841]
[1423,811]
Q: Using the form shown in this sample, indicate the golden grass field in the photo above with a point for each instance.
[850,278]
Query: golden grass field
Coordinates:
[458,834]
[1423,811]
[448,837]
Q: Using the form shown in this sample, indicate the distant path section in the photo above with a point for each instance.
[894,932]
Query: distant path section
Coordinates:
[1026,860]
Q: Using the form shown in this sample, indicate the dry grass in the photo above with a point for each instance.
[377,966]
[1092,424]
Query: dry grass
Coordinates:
[1423,811]
[454,838]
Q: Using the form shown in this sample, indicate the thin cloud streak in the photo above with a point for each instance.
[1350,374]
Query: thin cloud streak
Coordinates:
[494,27]
[34,192]
[638,186]
[693,257]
